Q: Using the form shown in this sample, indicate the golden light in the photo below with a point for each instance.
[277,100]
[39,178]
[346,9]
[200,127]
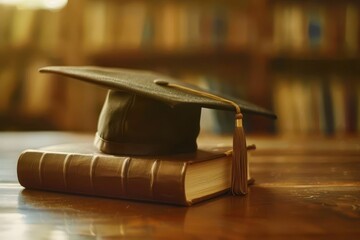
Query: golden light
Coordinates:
[36,4]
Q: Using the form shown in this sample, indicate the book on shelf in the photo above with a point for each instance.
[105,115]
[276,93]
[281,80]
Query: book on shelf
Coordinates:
[283,104]
[132,20]
[313,27]
[50,37]
[317,110]
[316,104]
[289,27]
[352,30]
[6,12]
[166,26]
[95,31]
[357,99]
[316,26]
[8,86]
[238,29]
[37,96]
[328,109]
[23,27]
[338,98]
[351,105]
[181,179]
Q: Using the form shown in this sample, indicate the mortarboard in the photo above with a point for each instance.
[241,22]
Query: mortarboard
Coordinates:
[147,113]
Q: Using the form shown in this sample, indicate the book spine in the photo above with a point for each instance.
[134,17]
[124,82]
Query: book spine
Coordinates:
[107,176]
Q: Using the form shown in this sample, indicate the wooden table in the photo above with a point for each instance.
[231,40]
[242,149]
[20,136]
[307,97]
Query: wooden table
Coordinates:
[306,188]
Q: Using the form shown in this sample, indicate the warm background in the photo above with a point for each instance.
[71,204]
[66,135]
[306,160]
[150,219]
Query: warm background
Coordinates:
[298,58]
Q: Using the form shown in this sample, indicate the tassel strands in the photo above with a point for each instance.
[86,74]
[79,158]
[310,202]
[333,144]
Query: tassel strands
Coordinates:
[239,165]
[239,172]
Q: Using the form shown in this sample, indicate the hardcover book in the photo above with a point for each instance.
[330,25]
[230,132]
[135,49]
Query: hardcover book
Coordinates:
[181,179]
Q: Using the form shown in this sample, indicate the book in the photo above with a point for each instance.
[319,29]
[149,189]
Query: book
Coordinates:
[351,41]
[338,101]
[8,86]
[131,23]
[23,28]
[295,27]
[357,110]
[328,108]
[350,104]
[283,104]
[94,32]
[49,37]
[316,25]
[37,91]
[238,28]
[167,26]
[181,179]
[317,110]
[289,27]
[8,13]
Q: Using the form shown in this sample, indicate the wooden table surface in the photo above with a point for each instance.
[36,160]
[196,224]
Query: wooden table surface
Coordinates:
[306,188]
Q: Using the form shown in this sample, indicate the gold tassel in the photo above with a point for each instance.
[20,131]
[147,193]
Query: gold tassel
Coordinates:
[239,174]
[239,164]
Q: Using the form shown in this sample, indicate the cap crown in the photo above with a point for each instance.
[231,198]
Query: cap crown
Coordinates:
[137,125]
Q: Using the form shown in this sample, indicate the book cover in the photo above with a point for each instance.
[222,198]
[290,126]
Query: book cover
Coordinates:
[283,104]
[338,101]
[181,179]
[8,85]
[131,20]
[328,108]
[351,41]
[95,35]
[23,28]
[38,91]
[316,22]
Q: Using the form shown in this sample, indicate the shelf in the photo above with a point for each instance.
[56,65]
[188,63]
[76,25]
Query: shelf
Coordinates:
[313,56]
[315,63]
[15,53]
[15,121]
[166,58]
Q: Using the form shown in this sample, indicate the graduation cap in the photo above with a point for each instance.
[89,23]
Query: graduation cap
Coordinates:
[147,113]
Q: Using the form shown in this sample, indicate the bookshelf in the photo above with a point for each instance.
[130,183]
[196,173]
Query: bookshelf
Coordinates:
[315,66]
[271,52]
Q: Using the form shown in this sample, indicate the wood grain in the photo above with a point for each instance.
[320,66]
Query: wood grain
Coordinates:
[296,195]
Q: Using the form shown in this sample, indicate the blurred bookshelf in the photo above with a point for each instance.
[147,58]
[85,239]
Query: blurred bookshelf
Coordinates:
[299,58]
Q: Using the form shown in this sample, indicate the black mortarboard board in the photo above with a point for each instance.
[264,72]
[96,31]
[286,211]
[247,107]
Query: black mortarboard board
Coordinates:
[146,113]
